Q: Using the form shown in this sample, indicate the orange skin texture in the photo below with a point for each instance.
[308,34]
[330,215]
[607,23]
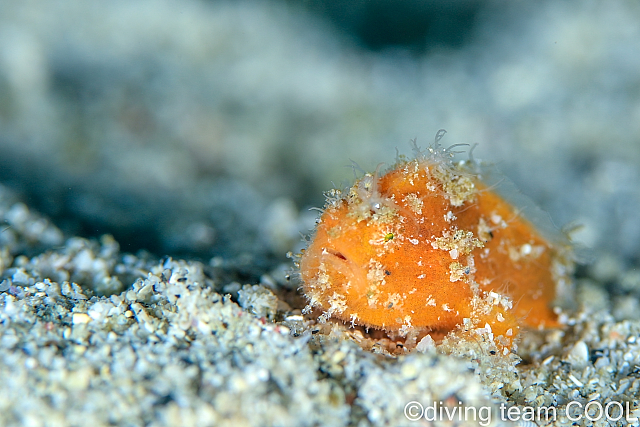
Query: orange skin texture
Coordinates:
[424,247]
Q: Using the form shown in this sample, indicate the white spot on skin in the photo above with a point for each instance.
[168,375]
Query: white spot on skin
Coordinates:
[500,317]
[485,330]
[484,231]
[393,301]
[462,241]
[450,217]
[375,274]
[453,253]
[525,250]
[406,328]
[414,203]
[446,307]
[430,301]
[497,220]
[337,303]
[414,241]
[460,272]
[372,297]
[354,318]
[422,276]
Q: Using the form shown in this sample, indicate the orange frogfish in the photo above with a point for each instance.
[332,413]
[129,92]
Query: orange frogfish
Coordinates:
[428,248]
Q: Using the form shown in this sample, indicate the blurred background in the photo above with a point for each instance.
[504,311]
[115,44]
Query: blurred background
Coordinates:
[208,128]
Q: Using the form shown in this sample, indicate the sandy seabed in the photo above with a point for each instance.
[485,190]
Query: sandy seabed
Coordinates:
[204,130]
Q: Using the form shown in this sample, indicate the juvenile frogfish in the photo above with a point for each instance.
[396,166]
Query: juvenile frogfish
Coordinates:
[428,248]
